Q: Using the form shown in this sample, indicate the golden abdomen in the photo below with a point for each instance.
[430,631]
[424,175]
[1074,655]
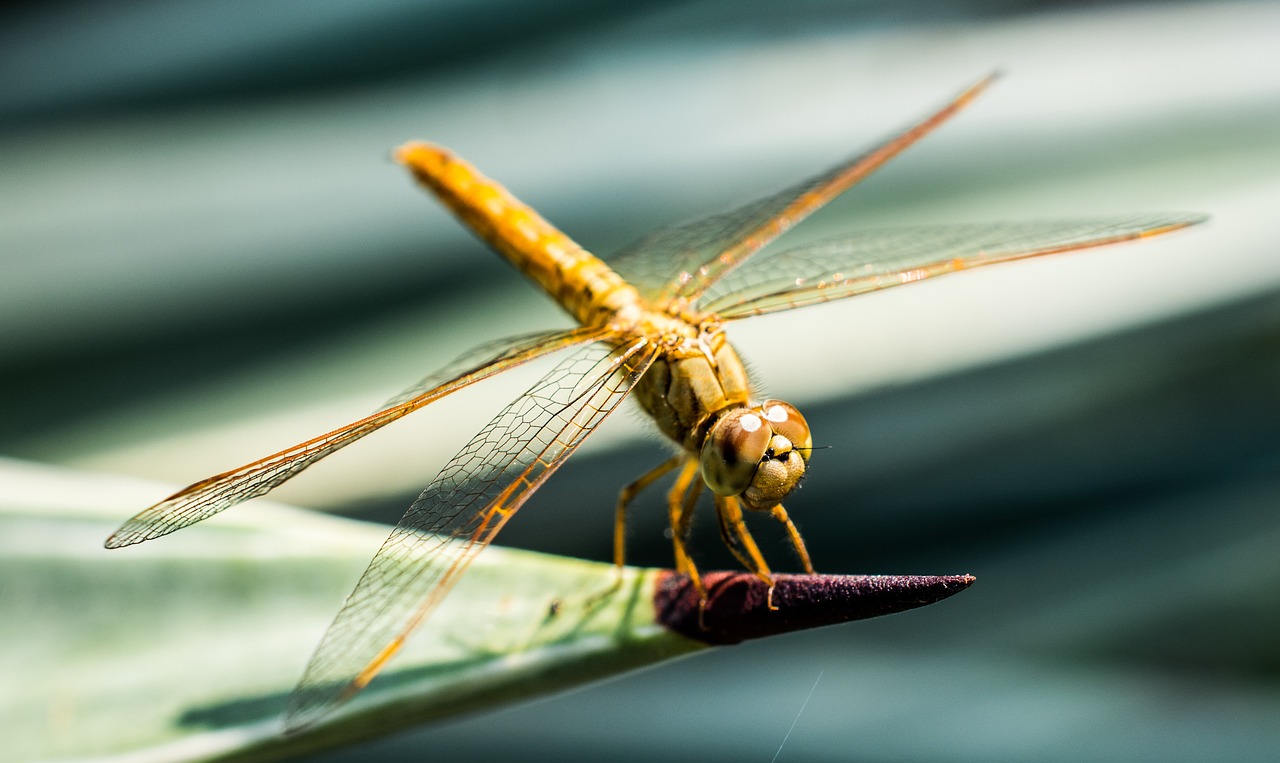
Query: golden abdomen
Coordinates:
[576,279]
[698,374]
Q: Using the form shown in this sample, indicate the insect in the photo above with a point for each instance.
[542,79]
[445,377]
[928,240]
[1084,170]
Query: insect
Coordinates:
[651,323]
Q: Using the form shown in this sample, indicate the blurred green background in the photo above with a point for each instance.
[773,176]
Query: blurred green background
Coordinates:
[206,254]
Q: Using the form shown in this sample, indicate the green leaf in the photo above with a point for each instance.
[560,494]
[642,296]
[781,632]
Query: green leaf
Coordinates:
[186,648]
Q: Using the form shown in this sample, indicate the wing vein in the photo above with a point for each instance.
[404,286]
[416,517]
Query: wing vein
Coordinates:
[459,514]
[208,497]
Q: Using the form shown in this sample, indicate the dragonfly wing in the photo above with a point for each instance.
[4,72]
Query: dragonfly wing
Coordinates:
[878,259]
[685,260]
[458,515]
[208,497]
[499,350]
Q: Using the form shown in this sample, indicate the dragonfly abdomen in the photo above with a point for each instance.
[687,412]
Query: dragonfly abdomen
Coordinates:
[579,281]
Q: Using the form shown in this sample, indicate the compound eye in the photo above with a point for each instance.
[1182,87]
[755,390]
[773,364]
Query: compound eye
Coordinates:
[733,450]
[784,419]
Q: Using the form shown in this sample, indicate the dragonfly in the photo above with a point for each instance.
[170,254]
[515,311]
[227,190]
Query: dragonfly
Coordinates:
[651,323]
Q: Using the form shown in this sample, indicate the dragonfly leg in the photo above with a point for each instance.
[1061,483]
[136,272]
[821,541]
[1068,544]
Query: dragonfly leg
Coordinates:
[738,538]
[625,496]
[680,503]
[780,514]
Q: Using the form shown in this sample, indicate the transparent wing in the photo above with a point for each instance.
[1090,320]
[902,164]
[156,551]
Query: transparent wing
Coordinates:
[458,515]
[498,350]
[208,497]
[684,260]
[878,259]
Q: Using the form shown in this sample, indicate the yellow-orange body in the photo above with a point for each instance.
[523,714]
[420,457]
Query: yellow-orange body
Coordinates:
[576,279]
[697,374]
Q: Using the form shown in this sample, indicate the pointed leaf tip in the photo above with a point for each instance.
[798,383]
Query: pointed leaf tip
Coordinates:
[737,602]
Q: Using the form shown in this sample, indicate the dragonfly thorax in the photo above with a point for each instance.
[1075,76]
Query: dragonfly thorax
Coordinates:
[695,377]
[697,393]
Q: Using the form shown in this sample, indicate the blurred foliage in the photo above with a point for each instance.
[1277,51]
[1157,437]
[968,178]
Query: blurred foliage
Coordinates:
[206,254]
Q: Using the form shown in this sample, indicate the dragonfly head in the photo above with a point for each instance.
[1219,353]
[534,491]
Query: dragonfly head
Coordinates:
[757,453]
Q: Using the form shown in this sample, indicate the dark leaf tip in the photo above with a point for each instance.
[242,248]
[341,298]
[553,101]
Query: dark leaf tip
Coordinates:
[737,602]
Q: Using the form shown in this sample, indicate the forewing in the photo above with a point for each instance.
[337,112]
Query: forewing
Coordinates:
[521,348]
[458,515]
[878,259]
[685,260]
[208,497]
